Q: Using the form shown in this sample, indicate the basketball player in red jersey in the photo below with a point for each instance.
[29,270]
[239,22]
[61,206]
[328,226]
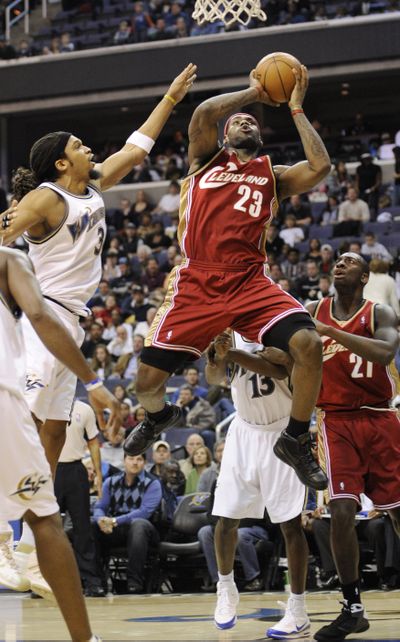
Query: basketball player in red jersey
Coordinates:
[227,201]
[359,432]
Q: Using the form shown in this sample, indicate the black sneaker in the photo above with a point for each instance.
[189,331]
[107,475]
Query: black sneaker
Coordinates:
[95,590]
[297,454]
[147,432]
[351,620]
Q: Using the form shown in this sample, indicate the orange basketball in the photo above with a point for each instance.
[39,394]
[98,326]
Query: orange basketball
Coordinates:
[275,74]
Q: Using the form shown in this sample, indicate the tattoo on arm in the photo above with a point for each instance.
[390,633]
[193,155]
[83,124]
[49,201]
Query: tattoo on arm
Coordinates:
[314,147]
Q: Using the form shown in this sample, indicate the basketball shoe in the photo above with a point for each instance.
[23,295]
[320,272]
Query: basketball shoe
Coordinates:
[227,601]
[32,574]
[294,624]
[297,454]
[148,431]
[352,619]
[9,572]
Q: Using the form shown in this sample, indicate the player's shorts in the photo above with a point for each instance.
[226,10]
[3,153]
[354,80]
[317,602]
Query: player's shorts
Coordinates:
[252,478]
[360,452]
[25,479]
[202,300]
[50,386]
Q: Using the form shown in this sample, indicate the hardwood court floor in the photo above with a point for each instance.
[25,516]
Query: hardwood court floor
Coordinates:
[185,617]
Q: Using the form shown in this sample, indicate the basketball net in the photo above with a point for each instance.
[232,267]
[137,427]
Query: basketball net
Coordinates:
[229,11]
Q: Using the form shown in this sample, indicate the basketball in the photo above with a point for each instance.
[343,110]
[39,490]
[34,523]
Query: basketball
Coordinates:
[275,74]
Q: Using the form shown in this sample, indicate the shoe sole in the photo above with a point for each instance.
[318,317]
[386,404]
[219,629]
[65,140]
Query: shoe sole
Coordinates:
[19,588]
[364,626]
[227,625]
[281,635]
[46,594]
[283,456]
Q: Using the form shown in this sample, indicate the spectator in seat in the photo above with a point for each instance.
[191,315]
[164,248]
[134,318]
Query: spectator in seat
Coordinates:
[368,182]
[275,272]
[371,249]
[135,306]
[123,34]
[131,240]
[104,314]
[111,269]
[300,210]
[153,277]
[120,393]
[327,259]
[122,518]
[396,176]
[287,286]
[112,451]
[292,268]
[127,364]
[314,250]
[95,338]
[161,455]
[23,50]
[274,242]
[192,442]
[125,213]
[143,327]
[192,378]
[331,214]
[102,292]
[169,202]
[197,413]
[110,331]
[158,240]
[201,460]
[102,362]
[385,151]
[292,233]
[122,344]
[209,476]
[352,212]
[325,286]
[167,264]
[120,285]
[141,21]
[159,31]
[308,286]
[381,287]
[66,44]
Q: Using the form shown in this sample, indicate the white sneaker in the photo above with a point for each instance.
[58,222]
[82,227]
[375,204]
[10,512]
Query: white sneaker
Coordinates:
[227,601]
[9,573]
[37,582]
[294,624]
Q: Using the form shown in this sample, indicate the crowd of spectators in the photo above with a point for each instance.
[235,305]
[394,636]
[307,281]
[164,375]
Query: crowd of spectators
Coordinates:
[86,24]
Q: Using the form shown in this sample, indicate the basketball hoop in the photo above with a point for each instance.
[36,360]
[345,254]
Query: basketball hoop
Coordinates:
[229,11]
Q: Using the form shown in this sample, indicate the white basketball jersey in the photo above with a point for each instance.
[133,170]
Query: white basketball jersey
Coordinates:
[12,361]
[68,261]
[258,399]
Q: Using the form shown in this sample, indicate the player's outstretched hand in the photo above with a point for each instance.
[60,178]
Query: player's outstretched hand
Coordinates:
[322,329]
[262,94]
[222,343]
[101,399]
[278,357]
[7,217]
[300,88]
[182,83]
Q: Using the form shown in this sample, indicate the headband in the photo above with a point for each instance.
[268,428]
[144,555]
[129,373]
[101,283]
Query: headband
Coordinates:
[228,122]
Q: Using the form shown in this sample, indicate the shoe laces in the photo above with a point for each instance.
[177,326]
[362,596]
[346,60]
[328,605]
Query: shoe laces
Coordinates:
[289,609]
[225,593]
[306,454]
[7,554]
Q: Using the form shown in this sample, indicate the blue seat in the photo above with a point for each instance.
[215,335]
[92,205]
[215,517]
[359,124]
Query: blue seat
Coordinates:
[317,209]
[377,228]
[320,231]
[177,437]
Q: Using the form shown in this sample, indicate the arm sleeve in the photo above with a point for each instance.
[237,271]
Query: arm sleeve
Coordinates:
[150,501]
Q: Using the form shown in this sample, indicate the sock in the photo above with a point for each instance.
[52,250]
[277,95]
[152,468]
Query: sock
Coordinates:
[225,578]
[351,593]
[299,598]
[161,415]
[296,428]
[26,543]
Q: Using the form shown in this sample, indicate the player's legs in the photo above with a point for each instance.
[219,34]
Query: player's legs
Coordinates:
[58,565]
[52,434]
[226,535]
[395,517]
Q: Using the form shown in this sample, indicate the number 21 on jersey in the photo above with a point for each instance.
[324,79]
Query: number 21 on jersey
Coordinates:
[359,371]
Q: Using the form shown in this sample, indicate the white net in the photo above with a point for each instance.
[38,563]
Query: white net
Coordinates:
[229,11]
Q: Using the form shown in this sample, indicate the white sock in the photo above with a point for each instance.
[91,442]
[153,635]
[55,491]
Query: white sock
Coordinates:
[27,541]
[299,600]
[225,578]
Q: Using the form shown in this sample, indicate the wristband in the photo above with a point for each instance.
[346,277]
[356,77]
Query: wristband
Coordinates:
[92,385]
[170,99]
[296,111]
[141,140]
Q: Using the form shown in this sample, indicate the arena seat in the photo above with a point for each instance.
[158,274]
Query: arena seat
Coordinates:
[377,228]
[320,231]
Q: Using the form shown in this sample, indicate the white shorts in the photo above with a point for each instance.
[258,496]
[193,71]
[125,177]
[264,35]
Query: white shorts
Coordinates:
[50,386]
[252,478]
[25,477]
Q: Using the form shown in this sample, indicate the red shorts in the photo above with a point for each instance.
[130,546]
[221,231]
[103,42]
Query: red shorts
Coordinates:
[203,301]
[360,452]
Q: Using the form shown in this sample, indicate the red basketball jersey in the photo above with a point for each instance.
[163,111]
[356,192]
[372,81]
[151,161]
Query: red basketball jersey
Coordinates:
[350,382]
[225,209]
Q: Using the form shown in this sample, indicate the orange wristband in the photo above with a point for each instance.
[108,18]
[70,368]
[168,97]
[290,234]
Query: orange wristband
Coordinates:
[297,110]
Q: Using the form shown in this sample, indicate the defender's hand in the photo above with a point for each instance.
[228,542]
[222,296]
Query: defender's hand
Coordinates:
[300,88]
[222,343]
[322,329]
[182,83]
[262,94]
[8,216]
[100,399]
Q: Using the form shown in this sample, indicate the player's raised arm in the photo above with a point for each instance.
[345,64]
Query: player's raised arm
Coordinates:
[203,127]
[24,289]
[305,175]
[140,143]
